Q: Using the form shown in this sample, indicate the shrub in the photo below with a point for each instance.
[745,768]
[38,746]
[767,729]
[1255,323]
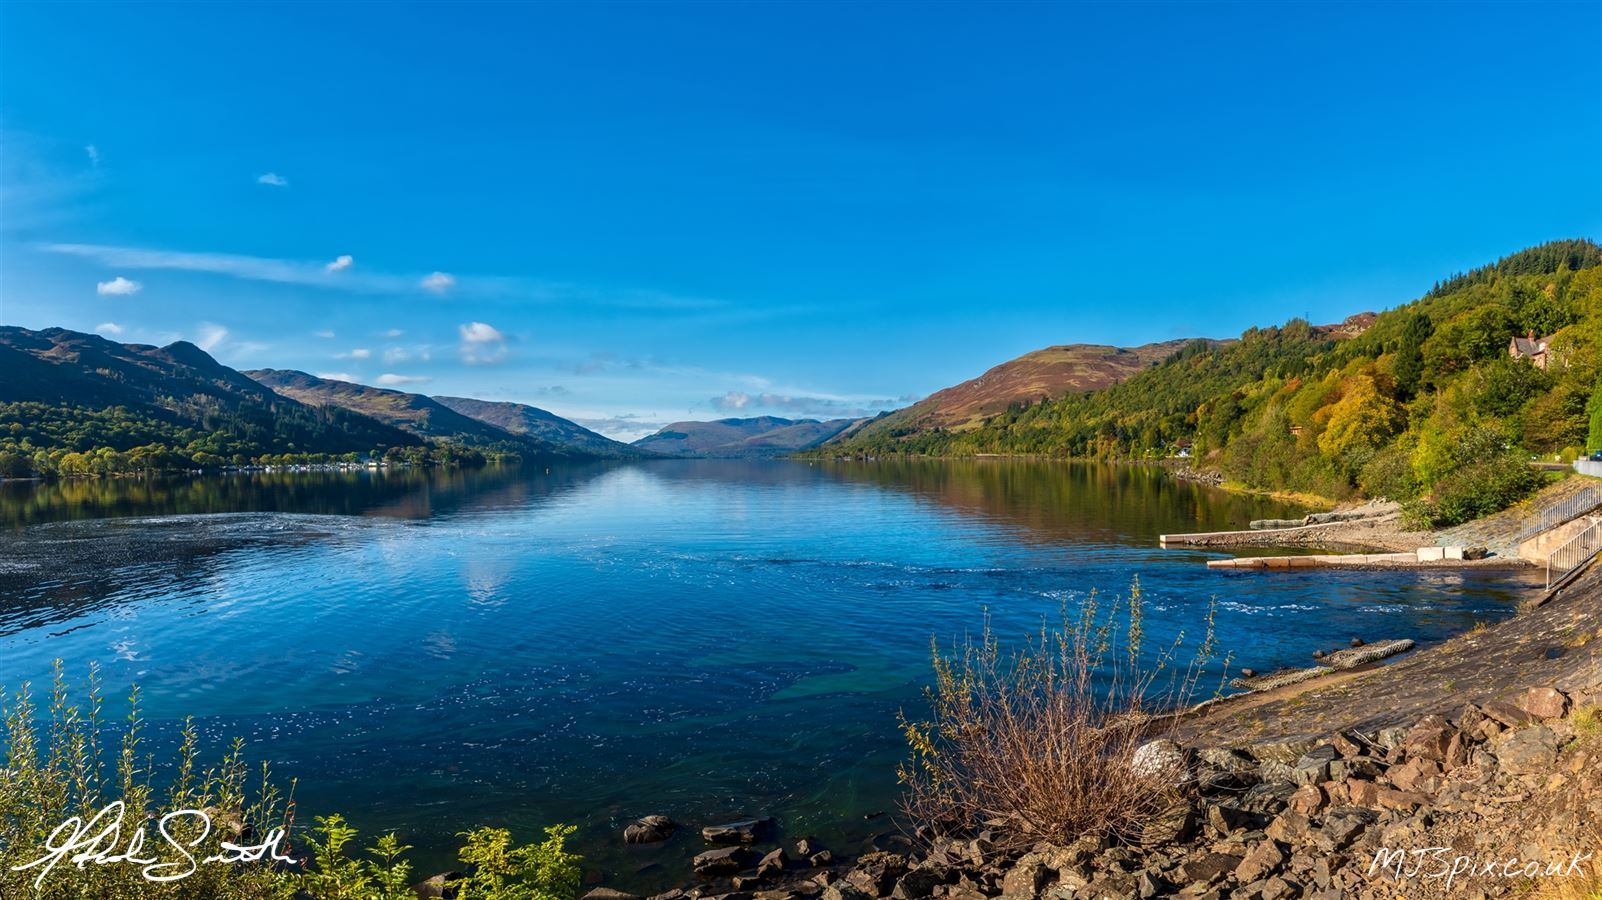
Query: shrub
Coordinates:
[1039,743]
[1477,489]
[60,767]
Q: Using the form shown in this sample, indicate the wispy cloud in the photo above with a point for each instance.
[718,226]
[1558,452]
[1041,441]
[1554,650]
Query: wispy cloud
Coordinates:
[322,273]
[108,328]
[389,379]
[393,355]
[438,282]
[338,376]
[273,179]
[826,406]
[482,344]
[93,153]
[358,353]
[325,335]
[340,263]
[394,333]
[118,287]
[210,336]
[622,427]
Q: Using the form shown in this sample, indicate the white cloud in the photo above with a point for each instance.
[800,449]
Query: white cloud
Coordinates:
[108,328]
[118,287]
[733,400]
[397,355]
[393,333]
[480,333]
[325,335]
[337,376]
[389,379]
[358,353]
[210,336]
[482,344]
[94,155]
[273,179]
[340,263]
[438,282]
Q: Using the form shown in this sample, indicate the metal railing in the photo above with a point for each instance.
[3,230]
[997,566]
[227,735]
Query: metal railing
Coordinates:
[1573,554]
[1568,509]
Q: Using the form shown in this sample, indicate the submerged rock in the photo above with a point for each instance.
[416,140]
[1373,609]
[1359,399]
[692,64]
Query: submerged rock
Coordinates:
[649,830]
[745,831]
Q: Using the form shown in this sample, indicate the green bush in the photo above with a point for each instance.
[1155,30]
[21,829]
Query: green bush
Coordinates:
[1476,489]
[57,768]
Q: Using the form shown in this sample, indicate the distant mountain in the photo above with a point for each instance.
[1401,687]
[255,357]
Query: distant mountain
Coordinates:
[1041,375]
[532,421]
[759,436]
[176,393]
[420,415]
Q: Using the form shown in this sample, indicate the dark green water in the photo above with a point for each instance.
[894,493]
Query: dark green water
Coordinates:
[706,639]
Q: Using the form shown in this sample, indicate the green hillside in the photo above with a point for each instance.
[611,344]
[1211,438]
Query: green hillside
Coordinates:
[1425,405]
[74,403]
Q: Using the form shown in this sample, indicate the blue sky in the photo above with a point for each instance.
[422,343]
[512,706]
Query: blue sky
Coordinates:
[635,213]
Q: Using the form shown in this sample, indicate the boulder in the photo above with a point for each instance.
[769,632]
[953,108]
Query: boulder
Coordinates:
[649,830]
[1174,824]
[1209,868]
[1507,715]
[1290,827]
[604,893]
[844,890]
[1308,800]
[917,884]
[722,861]
[439,887]
[1161,760]
[1532,751]
[1261,861]
[1026,877]
[1545,703]
[876,873]
[745,831]
[773,863]
[1429,738]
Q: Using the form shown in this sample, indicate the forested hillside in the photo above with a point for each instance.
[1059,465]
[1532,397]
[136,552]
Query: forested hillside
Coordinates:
[74,403]
[1426,404]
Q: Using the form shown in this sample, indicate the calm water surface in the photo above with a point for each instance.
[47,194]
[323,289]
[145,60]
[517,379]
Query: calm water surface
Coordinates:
[706,639]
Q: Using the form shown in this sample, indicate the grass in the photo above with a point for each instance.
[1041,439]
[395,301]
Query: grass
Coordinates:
[66,761]
[1040,743]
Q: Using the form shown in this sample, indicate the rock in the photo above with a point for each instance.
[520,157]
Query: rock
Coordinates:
[1307,800]
[1508,715]
[1226,759]
[844,890]
[745,831]
[439,887]
[1262,860]
[1342,825]
[1362,793]
[1390,738]
[1161,760]
[1476,552]
[603,893]
[1268,798]
[1026,877]
[1429,738]
[649,830]
[876,873]
[1402,800]
[1248,673]
[1174,824]
[1290,827]
[820,859]
[917,884]
[806,847]
[773,863]
[1320,654]
[1278,888]
[1225,819]
[1209,868]
[1532,751]
[722,861]
[1149,885]
[1282,751]
[1346,744]
[1357,642]
[1545,703]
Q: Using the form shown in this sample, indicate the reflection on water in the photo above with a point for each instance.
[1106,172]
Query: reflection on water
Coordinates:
[432,650]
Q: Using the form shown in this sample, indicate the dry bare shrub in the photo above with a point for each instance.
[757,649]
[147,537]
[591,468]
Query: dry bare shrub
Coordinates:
[1038,743]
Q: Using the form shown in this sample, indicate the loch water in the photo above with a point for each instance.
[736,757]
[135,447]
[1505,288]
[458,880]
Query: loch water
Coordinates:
[430,651]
